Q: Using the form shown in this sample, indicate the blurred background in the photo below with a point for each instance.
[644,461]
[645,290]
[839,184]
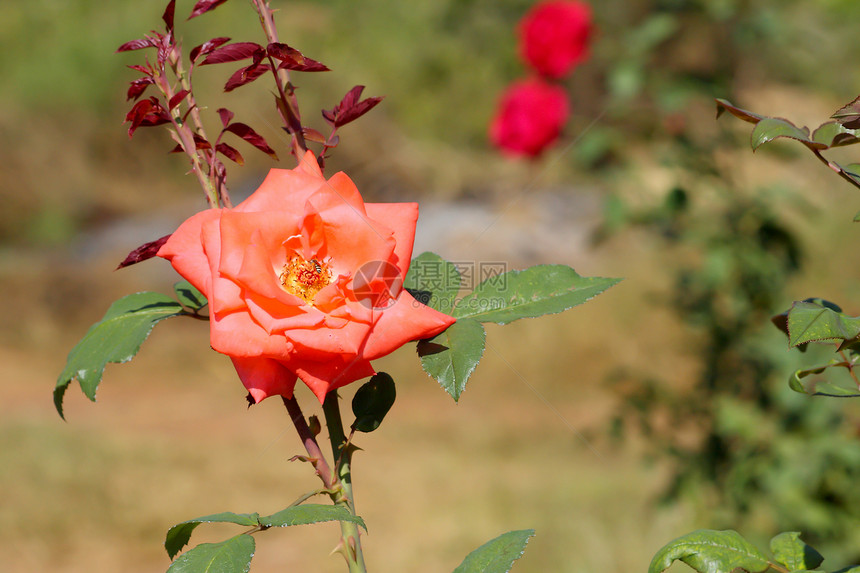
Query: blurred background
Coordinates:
[657,408]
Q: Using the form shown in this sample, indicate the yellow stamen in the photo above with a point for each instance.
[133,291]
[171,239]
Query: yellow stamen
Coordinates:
[305,278]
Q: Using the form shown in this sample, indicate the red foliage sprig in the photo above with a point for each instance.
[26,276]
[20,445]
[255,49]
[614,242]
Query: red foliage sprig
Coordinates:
[176,103]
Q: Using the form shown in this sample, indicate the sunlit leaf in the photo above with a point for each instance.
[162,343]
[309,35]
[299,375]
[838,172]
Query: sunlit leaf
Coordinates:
[451,357]
[833,134]
[497,555]
[231,556]
[770,128]
[710,551]
[433,281]
[115,338]
[536,291]
[813,322]
[179,535]
[310,513]
[796,555]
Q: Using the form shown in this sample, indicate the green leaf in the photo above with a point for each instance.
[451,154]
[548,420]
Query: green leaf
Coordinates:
[538,290]
[310,513]
[789,550]
[832,390]
[179,535]
[230,556]
[452,356]
[497,555]
[373,401]
[833,134]
[116,338]
[852,569]
[794,380]
[770,128]
[813,322]
[710,551]
[433,281]
[189,296]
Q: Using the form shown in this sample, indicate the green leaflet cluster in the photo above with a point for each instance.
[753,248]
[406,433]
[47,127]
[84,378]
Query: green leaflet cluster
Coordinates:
[452,356]
[710,551]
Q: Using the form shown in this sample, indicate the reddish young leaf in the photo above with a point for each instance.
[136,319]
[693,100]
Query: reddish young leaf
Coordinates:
[168,15]
[849,115]
[307,65]
[226,116]
[245,132]
[313,135]
[146,113]
[137,87]
[350,108]
[142,69]
[246,75]
[234,53]
[177,99]
[207,47]
[199,143]
[143,252]
[138,44]
[230,152]
[204,6]
[292,59]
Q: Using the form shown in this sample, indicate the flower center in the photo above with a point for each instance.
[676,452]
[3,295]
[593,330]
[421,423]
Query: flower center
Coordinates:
[305,278]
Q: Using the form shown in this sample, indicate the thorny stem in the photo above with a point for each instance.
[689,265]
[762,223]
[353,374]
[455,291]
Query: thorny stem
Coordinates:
[342,452]
[310,442]
[216,179]
[337,484]
[282,78]
[834,167]
[182,131]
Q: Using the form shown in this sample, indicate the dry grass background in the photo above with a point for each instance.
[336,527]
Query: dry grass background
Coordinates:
[171,437]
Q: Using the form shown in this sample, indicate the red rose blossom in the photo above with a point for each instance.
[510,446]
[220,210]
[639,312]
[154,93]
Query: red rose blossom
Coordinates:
[554,35]
[530,117]
[304,280]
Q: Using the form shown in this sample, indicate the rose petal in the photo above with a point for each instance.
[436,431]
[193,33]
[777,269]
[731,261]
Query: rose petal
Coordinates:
[404,321]
[264,377]
[184,250]
[323,377]
[402,219]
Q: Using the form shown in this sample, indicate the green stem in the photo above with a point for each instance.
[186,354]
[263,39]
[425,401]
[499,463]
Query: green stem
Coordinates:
[342,452]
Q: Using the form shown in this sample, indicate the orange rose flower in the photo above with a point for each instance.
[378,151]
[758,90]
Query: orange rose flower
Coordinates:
[304,280]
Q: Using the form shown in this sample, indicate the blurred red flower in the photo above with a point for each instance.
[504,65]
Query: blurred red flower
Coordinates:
[304,279]
[529,118]
[554,36]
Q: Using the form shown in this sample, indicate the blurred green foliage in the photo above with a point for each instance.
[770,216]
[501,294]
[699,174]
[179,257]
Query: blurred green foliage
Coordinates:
[441,65]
